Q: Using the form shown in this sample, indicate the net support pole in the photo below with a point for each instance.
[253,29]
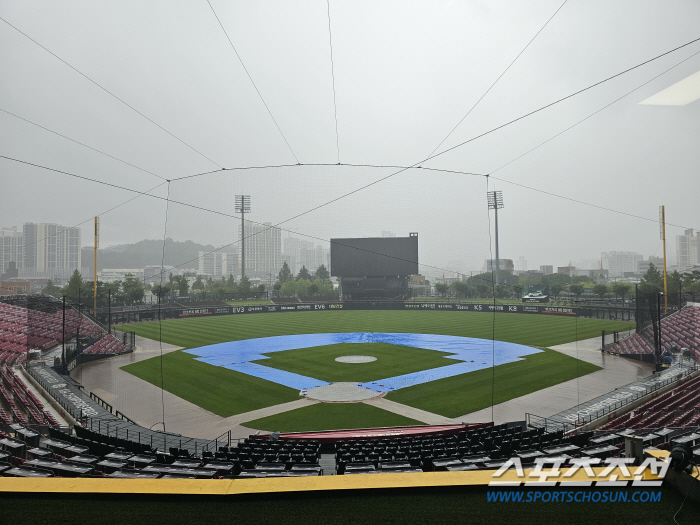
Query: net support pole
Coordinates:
[662,216]
[94,275]
[498,257]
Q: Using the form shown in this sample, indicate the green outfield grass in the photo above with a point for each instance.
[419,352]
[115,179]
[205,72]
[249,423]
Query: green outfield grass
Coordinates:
[331,416]
[226,392]
[532,330]
[392,360]
[219,390]
[459,395]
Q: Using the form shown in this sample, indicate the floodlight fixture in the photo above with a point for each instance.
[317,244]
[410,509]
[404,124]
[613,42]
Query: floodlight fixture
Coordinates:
[242,203]
[242,206]
[495,202]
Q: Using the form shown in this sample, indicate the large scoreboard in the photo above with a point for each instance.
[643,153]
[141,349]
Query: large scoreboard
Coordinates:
[375,256]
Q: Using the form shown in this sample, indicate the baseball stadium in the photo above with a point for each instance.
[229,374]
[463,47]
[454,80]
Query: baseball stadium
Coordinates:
[283,336]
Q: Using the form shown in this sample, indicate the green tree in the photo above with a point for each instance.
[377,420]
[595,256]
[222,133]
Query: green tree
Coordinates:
[691,282]
[52,290]
[483,289]
[303,287]
[322,272]
[261,289]
[462,289]
[112,291]
[133,290]
[161,289]
[556,278]
[289,289]
[652,281]
[198,285]
[556,289]
[313,289]
[74,286]
[183,286]
[653,276]
[600,290]
[442,288]
[303,274]
[518,290]
[244,287]
[621,289]
[503,291]
[285,274]
[324,287]
[577,290]
[674,282]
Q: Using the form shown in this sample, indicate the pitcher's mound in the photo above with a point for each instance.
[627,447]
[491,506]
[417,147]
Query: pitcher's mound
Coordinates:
[342,392]
[355,359]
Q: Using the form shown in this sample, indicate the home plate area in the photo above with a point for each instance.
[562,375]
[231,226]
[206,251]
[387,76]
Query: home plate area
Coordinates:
[472,354]
[341,393]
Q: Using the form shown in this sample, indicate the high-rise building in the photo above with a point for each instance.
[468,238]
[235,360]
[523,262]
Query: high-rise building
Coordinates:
[50,250]
[643,266]
[617,263]
[263,249]
[503,265]
[298,253]
[154,273]
[547,269]
[521,264]
[218,264]
[11,248]
[688,249]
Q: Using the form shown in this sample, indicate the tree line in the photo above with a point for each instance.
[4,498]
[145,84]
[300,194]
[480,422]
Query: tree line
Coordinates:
[128,292]
[304,284]
[482,286]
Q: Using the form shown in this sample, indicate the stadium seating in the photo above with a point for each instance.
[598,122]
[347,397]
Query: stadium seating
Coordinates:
[681,329]
[23,328]
[18,404]
[66,455]
[678,408]
[107,345]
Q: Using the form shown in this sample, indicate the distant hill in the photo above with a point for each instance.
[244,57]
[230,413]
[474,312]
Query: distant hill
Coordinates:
[145,253]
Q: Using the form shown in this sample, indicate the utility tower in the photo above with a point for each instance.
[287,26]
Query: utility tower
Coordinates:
[242,207]
[495,200]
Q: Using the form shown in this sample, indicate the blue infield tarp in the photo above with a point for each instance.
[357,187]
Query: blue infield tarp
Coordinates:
[475,354]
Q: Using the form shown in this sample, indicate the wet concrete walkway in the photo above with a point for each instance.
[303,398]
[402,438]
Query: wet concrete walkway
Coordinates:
[616,372]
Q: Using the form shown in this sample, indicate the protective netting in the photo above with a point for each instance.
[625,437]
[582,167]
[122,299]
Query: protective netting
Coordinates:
[243,292]
[220,183]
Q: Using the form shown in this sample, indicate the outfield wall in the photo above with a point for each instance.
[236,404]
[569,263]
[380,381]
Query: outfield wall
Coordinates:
[179,313]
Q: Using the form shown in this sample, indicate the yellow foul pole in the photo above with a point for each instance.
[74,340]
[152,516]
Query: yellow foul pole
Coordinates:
[662,216]
[97,240]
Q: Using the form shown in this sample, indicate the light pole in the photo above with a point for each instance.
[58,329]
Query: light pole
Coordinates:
[495,200]
[242,207]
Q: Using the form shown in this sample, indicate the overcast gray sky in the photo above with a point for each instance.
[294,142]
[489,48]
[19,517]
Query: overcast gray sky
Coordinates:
[405,74]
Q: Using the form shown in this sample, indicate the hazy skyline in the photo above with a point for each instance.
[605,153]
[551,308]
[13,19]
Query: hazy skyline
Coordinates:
[405,74]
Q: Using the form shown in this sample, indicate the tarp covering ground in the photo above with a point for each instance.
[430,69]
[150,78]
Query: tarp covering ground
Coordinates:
[475,354]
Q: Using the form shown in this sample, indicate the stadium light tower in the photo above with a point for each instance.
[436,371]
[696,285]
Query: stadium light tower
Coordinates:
[242,207]
[495,200]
